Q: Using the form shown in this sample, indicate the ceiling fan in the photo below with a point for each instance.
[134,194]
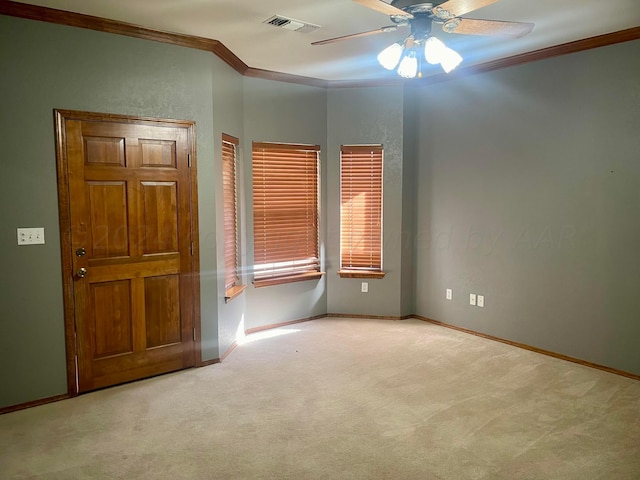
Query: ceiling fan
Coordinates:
[420,17]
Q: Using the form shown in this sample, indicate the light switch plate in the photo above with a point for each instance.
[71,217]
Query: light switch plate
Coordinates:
[30,236]
[472,299]
[365,287]
[481,300]
[449,294]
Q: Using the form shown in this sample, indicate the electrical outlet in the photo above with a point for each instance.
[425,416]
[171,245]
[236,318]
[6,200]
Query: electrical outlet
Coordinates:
[365,287]
[472,299]
[449,294]
[481,300]
[30,236]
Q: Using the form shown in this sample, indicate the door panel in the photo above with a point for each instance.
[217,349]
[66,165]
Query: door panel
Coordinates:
[130,212]
[104,151]
[108,219]
[161,306]
[158,153]
[160,217]
[112,332]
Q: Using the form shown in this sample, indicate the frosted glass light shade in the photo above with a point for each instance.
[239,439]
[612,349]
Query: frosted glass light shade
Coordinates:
[434,50]
[390,56]
[437,52]
[450,59]
[408,66]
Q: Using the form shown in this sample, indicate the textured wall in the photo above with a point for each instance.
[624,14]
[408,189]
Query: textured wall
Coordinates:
[46,66]
[521,184]
[410,139]
[289,113]
[529,193]
[228,95]
[367,116]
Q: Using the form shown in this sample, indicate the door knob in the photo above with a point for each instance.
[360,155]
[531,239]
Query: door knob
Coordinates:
[82,272]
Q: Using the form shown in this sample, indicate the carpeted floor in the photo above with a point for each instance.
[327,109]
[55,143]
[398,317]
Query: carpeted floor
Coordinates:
[343,399]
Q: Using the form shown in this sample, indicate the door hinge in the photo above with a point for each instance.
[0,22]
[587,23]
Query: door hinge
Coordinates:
[189,160]
[192,249]
[194,334]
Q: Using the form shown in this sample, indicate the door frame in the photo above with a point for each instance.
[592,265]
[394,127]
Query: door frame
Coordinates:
[62,165]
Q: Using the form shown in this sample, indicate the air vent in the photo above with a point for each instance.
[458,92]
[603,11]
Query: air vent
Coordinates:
[291,24]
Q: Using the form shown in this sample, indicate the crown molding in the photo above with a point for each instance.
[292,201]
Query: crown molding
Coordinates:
[285,77]
[541,54]
[61,17]
[379,82]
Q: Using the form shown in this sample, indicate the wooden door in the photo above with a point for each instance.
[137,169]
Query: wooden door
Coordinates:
[131,266]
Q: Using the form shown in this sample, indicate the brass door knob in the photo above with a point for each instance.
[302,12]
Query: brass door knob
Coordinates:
[82,272]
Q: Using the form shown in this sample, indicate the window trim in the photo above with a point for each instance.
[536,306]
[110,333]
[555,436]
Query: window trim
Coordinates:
[233,292]
[372,274]
[369,183]
[299,277]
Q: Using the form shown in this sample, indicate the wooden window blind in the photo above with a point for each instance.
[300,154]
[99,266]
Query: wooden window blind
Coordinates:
[361,208]
[230,210]
[285,212]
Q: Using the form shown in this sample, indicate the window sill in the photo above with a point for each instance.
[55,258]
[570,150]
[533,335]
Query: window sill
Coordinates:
[293,278]
[233,292]
[360,274]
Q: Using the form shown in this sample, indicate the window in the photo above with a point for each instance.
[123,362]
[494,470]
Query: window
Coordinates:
[232,282]
[285,212]
[361,211]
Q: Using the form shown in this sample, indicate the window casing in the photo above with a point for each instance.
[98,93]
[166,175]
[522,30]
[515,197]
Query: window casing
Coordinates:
[361,211]
[285,212]
[232,281]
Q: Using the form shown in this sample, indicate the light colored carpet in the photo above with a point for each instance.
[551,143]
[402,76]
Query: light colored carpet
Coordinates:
[343,399]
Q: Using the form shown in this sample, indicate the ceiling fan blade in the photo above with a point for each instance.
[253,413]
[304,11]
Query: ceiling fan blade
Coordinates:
[456,8]
[390,28]
[383,7]
[472,26]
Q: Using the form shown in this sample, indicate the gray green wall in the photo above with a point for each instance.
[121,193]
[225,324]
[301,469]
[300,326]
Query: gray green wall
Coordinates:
[48,66]
[367,116]
[521,184]
[411,134]
[288,113]
[228,93]
[528,192]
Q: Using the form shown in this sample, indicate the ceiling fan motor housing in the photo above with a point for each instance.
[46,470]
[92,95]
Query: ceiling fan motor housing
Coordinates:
[421,18]
[416,5]
[421,25]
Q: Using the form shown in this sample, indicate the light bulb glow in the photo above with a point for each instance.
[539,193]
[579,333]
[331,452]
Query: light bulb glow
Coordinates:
[450,59]
[409,65]
[390,56]
[434,50]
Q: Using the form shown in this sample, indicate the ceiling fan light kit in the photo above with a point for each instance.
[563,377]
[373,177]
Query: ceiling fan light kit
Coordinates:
[405,57]
[408,67]
[435,52]
[390,56]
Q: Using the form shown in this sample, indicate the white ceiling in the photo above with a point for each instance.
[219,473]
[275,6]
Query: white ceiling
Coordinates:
[238,24]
